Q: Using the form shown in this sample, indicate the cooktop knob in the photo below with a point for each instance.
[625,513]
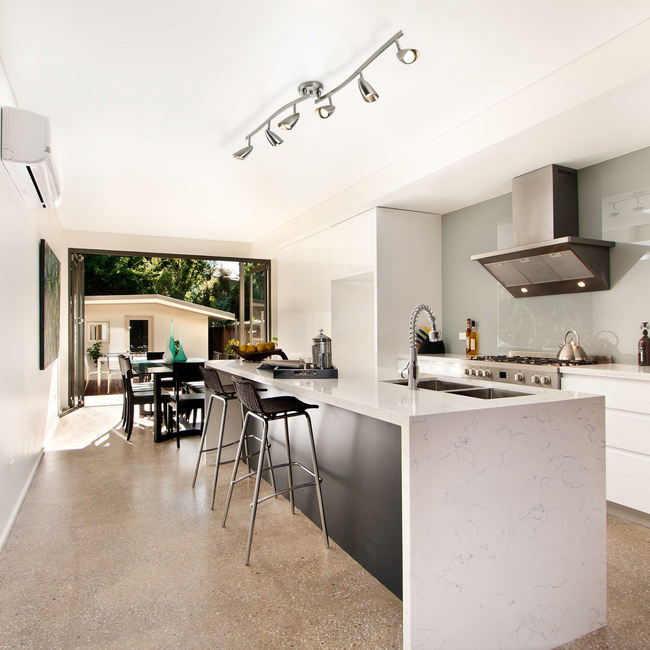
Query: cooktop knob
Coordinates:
[546,380]
[519,376]
[487,373]
[468,371]
[481,373]
[535,379]
[473,372]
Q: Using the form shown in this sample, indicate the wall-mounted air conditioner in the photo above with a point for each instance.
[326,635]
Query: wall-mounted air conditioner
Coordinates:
[27,155]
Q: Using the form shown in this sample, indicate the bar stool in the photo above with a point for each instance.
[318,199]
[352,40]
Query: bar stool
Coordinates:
[269,410]
[222,393]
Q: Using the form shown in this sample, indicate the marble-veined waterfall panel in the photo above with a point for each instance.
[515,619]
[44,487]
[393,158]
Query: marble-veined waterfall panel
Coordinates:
[507,527]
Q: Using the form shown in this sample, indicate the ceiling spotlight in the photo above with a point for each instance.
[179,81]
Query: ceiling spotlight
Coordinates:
[639,207]
[242,154]
[524,290]
[289,122]
[615,212]
[326,111]
[274,139]
[367,91]
[582,284]
[407,56]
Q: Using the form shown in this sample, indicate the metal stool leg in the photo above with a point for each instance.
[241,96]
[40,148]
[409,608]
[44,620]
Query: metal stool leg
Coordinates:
[268,451]
[219,447]
[234,469]
[246,447]
[258,481]
[289,472]
[202,445]
[317,480]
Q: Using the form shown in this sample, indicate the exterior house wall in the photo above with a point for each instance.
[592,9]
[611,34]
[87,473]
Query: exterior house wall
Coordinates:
[194,326]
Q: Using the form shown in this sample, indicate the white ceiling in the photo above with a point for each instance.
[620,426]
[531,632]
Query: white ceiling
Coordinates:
[148,100]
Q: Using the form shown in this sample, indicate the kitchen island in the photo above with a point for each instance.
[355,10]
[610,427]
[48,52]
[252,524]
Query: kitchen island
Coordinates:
[488,515]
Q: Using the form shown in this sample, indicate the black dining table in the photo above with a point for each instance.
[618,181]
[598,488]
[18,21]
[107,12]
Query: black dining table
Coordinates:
[159,370]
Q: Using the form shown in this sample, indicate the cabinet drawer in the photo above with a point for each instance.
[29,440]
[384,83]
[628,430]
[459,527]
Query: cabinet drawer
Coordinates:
[622,394]
[629,431]
[628,479]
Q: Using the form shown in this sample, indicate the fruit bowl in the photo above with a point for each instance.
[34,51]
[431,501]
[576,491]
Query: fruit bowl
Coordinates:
[259,356]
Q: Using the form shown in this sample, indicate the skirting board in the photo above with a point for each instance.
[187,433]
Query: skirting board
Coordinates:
[14,514]
[635,516]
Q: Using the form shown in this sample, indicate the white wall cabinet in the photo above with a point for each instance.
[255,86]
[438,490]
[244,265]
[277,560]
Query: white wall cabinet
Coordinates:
[359,280]
[627,411]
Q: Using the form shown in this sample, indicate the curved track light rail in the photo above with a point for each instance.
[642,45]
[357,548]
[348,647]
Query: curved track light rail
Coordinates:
[313,90]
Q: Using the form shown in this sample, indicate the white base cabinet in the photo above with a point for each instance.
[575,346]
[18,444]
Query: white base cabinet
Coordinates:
[627,404]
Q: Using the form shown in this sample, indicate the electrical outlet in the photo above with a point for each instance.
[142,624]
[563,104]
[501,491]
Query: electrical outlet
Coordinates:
[11,466]
[462,336]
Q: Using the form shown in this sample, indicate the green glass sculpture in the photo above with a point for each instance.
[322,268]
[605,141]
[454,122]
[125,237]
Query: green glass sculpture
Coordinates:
[180,355]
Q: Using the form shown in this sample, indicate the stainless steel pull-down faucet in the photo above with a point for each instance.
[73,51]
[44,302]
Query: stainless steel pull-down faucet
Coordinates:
[413,370]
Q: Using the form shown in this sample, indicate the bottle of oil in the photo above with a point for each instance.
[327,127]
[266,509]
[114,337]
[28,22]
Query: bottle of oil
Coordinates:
[468,336]
[473,341]
[644,346]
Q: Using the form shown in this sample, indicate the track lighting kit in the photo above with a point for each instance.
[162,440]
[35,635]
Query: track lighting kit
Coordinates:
[314,90]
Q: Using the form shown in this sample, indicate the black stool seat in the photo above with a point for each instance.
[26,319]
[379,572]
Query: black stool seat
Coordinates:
[274,406]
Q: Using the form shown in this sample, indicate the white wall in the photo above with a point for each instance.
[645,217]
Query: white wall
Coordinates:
[194,327]
[29,397]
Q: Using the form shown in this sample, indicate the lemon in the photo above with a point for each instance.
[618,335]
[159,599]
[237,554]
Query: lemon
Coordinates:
[270,345]
[261,347]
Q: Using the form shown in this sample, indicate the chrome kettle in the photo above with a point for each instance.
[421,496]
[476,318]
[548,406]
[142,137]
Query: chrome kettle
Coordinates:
[571,350]
[321,351]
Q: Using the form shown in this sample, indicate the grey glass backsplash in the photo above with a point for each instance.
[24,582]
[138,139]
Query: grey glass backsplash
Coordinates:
[607,321]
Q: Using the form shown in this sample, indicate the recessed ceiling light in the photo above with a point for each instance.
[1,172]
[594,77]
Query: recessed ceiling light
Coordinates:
[582,284]
[524,290]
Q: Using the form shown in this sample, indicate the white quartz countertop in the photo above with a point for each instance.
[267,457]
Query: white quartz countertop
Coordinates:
[616,370]
[369,394]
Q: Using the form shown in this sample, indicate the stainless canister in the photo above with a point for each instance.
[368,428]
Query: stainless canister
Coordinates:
[321,351]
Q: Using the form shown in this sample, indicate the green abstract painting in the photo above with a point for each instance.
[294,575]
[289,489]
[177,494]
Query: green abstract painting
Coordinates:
[50,311]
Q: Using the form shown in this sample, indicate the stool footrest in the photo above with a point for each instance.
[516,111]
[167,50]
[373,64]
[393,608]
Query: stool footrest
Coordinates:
[289,489]
[294,463]
[228,444]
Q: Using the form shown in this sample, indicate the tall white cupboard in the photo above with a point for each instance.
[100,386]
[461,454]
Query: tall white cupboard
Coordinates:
[358,281]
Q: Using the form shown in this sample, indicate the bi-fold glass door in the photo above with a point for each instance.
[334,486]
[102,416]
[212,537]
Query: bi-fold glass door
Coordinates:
[76,333]
[254,303]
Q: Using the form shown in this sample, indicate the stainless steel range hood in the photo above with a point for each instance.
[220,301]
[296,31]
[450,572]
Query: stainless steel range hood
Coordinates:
[548,257]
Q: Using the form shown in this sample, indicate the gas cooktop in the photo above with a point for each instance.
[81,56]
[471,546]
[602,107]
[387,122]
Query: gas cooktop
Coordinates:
[531,361]
[522,369]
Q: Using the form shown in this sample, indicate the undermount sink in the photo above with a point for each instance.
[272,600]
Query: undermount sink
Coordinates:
[488,393]
[432,384]
[457,388]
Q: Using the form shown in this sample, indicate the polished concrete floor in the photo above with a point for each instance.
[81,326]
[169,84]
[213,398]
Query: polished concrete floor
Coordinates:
[112,549]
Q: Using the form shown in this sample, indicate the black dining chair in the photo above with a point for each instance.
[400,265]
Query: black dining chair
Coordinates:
[134,395]
[182,401]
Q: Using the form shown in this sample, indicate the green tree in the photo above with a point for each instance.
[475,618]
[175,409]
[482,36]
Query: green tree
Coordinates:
[202,282]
